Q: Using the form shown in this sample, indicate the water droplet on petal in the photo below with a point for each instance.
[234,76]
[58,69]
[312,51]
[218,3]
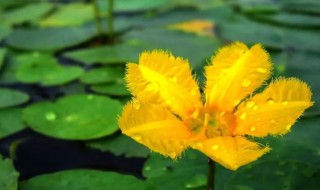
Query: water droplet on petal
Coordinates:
[270,101]
[199,144]
[246,83]
[50,116]
[249,104]
[153,87]
[261,70]
[288,127]
[172,154]
[137,137]
[252,129]
[215,147]
[174,79]
[284,103]
[136,104]
[243,116]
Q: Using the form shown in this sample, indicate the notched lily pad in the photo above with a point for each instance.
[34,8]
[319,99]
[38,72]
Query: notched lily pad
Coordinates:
[44,69]
[8,175]
[9,97]
[85,179]
[76,117]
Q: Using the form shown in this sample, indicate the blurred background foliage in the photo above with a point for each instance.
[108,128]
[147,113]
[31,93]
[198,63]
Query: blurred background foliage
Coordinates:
[61,90]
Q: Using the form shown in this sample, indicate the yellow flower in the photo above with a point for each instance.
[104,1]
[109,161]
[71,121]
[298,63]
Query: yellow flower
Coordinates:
[168,115]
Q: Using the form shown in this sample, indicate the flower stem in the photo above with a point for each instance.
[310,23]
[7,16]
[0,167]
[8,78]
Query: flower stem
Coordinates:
[110,19]
[211,172]
[97,18]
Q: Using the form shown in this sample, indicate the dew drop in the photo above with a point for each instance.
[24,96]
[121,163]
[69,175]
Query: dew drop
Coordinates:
[243,116]
[288,127]
[270,101]
[153,87]
[137,137]
[246,83]
[215,147]
[196,182]
[199,144]
[252,129]
[172,154]
[261,70]
[50,116]
[249,104]
[147,168]
[90,97]
[173,79]
[284,103]
[136,104]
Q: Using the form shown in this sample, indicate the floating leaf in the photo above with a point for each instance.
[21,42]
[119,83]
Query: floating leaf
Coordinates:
[160,170]
[103,75]
[2,56]
[8,175]
[72,14]
[10,122]
[283,175]
[5,30]
[133,5]
[116,54]
[120,145]
[44,69]
[10,97]
[113,89]
[28,13]
[290,19]
[85,179]
[49,39]
[9,72]
[75,117]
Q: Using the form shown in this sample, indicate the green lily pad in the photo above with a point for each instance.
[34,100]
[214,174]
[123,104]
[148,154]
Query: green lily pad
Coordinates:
[10,97]
[29,13]
[307,6]
[5,30]
[49,39]
[113,89]
[74,117]
[9,72]
[159,170]
[10,121]
[117,54]
[84,179]
[120,145]
[290,19]
[288,175]
[8,175]
[132,5]
[2,56]
[103,75]
[44,69]
[72,14]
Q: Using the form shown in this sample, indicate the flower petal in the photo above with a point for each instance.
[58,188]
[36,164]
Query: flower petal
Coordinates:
[155,127]
[231,152]
[235,73]
[274,110]
[160,77]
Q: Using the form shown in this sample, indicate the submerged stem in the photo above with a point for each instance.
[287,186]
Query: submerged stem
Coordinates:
[211,172]
[110,19]
[97,18]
